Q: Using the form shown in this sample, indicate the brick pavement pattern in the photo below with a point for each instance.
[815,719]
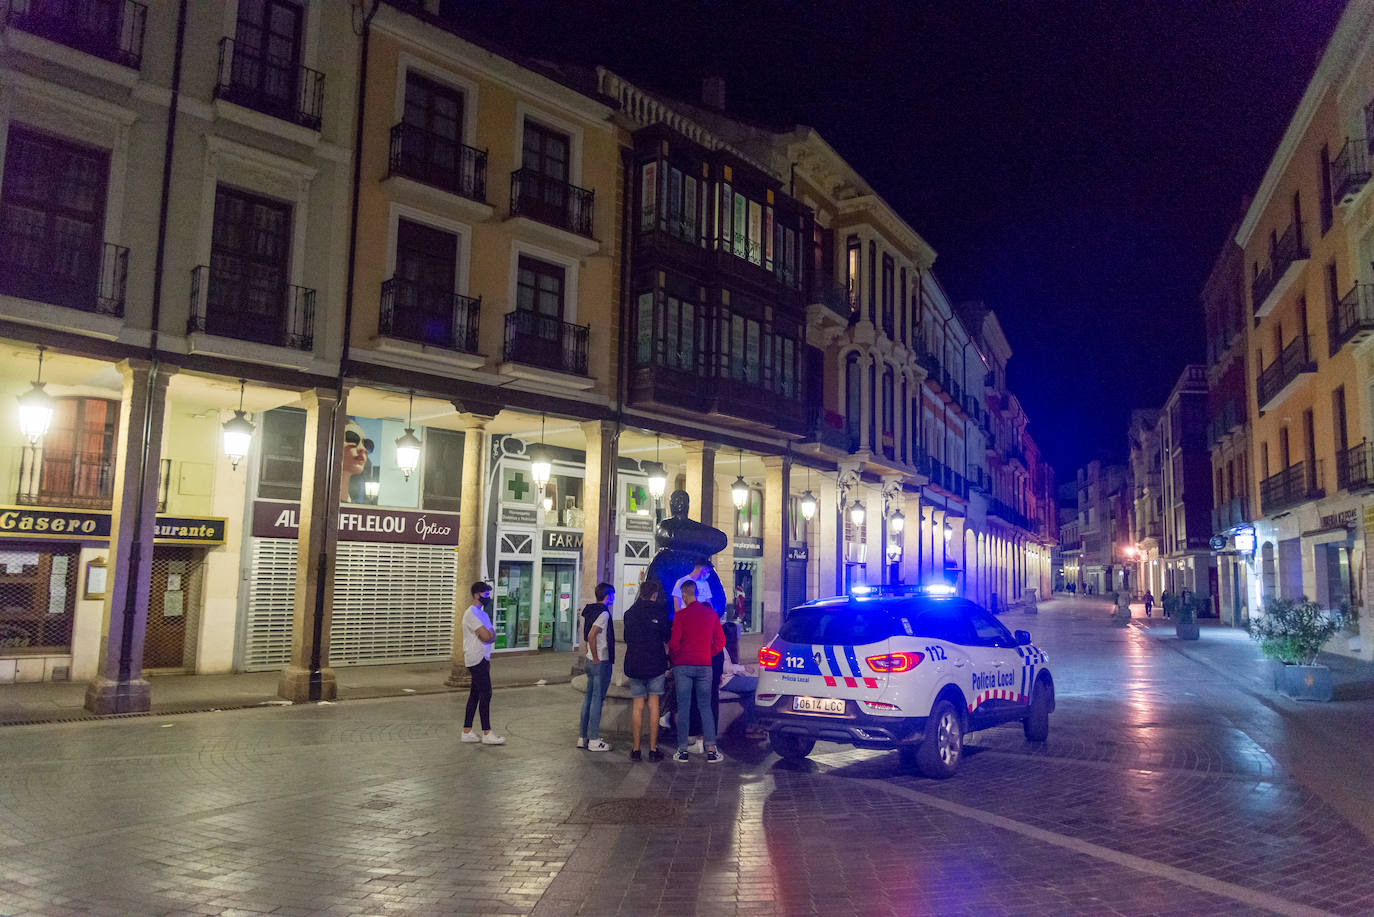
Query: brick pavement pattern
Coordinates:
[1164,788]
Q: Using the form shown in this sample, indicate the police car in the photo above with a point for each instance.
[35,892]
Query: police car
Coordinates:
[912,669]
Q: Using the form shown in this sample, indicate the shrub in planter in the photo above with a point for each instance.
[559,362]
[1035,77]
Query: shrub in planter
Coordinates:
[1294,632]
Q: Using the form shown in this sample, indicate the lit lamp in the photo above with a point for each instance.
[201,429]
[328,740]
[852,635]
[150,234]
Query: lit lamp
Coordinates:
[658,481]
[408,445]
[856,513]
[949,531]
[35,408]
[739,491]
[237,433]
[540,466]
[808,506]
[372,486]
[898,522]
[548,501]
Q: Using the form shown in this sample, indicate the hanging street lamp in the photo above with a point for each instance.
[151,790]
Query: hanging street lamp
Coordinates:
[237,433]
[408,444]
[35,408]
[739,491]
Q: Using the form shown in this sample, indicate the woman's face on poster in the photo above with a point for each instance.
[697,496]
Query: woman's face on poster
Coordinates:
[356,448]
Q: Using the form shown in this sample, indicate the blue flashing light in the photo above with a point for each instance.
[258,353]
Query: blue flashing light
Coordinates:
[861,589]
[939,589]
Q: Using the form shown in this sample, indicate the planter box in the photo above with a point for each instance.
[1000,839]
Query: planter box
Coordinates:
[1187,630]
[1303,682]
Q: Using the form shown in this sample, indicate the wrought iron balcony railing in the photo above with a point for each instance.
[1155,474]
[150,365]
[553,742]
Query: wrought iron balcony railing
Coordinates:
[548,200]
[834,296]
[425,315]
[545,341]
[1295,484]
[76,479]
[438,161]
[1288,249]
[230,304]
[69,272]
[1291,363]
[108,29]
[274,86]
[1353,319]
[1349,171]
[1355,466]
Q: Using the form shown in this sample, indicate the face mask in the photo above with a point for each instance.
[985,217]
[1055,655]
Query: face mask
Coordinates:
[486,602]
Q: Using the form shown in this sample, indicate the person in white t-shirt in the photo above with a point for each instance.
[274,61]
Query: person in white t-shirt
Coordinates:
[598,630]
[701,575]
[478,636]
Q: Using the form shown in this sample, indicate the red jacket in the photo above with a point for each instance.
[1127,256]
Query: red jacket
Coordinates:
[697,635]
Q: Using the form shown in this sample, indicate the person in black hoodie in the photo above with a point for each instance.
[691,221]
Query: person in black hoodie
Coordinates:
[647,629]
[598,632]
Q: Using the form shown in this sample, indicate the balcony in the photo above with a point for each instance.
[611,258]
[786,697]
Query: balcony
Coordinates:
[1353,467]
[69,272]
[931,364]
[1349,171]
[1278,379]
[1287,258]
[1297,484]
[438,162]
[1353,320]
[73,479]
[233,305]
[1229,513]
[828,430]
[109,29]
[272,85]
[1154,529]
[545,342]
[423,315]
[835,298]
[551,201]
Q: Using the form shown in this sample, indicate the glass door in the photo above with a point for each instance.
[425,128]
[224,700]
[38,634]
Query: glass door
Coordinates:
[514,591]
[558,618]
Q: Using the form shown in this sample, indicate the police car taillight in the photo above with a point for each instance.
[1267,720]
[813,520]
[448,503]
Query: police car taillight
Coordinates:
[769,657]
[880,705]
[891,663]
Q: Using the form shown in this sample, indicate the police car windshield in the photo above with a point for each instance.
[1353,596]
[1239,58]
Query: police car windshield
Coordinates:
[849,623]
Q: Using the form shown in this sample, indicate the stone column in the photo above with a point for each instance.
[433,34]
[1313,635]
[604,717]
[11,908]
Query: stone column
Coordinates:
[307,676]
[119,685]
[777,471]
[866,398]
[598,503]
[701,480]
[470,501]
[827,539]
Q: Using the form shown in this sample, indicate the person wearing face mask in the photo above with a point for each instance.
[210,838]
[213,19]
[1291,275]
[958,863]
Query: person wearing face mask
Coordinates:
[356,449]
[478,636]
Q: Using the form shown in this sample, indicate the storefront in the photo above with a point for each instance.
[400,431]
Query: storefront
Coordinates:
[745,606]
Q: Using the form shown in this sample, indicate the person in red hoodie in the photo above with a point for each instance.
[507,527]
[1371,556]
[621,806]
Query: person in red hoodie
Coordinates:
[697,636]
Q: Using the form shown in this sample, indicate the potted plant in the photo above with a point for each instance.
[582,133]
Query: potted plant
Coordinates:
[1185,616]
[1293,632]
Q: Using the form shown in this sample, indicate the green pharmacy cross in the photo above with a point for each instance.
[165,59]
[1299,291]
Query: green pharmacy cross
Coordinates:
[517,486]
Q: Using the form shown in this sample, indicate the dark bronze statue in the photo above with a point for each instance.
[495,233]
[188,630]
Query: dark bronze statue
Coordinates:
[683,544]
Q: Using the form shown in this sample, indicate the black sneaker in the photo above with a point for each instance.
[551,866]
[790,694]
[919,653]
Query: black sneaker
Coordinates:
[655,755]
[682,756]
[713,756]
[634,755]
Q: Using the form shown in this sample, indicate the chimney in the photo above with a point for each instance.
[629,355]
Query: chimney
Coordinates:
[713,92]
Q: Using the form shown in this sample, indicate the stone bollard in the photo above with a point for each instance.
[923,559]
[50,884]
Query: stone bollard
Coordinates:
[1029,598]
[1121,615]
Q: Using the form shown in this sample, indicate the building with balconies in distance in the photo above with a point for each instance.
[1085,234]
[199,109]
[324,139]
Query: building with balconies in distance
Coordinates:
[1146,474]
[1103,527]
[1185,552]
[1307,243]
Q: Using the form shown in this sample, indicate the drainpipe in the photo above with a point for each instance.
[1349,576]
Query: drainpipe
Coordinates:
[136,548]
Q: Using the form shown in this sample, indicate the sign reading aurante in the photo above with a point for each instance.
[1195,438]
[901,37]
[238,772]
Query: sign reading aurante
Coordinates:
[38,522]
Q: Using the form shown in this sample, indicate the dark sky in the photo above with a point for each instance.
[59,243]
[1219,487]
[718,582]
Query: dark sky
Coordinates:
[1076,165]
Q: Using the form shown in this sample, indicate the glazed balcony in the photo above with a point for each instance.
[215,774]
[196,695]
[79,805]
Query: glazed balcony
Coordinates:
[1355,467]
[438,162]
[1296,484]
[545,342]
[68,272]
[548,200]
[271,85]
[1278,380]
[231,304]
[1287,257]
[423,315]
[1349,171]
[109,29]
[1353,319]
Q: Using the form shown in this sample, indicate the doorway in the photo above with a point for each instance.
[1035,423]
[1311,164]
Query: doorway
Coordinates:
[514,592]
[557,589]
[173,608]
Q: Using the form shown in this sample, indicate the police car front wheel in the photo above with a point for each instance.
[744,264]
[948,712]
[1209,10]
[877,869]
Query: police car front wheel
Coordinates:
[1037,724]
[943,743]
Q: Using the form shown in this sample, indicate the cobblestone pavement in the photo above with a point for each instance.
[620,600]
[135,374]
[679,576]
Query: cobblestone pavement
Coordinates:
[1164,788]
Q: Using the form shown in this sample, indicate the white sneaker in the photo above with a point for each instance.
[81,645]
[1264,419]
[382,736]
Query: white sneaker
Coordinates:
[471,737]
[663,721]
[492,738]
[581,743]
[697,748]
[598,745]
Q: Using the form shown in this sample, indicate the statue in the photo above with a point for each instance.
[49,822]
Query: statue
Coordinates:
[684,544]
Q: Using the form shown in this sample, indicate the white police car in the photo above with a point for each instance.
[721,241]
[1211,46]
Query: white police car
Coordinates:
[899,668]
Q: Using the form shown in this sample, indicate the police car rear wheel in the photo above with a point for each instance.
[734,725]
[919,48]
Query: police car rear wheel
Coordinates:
[943,744]
[790,748]
[1037,724]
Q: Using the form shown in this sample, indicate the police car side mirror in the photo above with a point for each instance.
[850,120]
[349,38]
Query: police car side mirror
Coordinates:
[1022,637]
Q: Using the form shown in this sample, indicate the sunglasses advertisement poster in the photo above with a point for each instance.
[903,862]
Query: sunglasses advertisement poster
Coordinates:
[369,474]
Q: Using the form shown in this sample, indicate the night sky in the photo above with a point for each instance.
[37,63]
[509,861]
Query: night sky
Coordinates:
[1075,165]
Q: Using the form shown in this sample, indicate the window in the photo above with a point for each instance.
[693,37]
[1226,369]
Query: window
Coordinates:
[749,521]
[853,400]
[1338,421]
[1297,218]
[249,251]
[1324,164]
[539,287]
[283,454]
[747,231]
[434,108]
[545,151]
[889,409]
[78,453]
[443,471]
[684,332]
[851,276]
[267,42]
[423,286]
[889,302]
[52,218]
[670,199]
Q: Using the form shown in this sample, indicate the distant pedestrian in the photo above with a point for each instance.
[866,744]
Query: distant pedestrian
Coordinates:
[696,637]
[647,631]
[1149,603]
[1166,602]
[478,636]
[598,630]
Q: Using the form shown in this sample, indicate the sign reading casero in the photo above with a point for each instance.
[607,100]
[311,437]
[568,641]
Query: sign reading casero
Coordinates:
[37,522]
[359,523]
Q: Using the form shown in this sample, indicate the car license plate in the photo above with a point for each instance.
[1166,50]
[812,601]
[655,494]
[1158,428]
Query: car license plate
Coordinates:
[833,706]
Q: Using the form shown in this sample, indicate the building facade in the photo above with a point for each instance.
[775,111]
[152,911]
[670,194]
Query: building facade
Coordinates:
[1187,490]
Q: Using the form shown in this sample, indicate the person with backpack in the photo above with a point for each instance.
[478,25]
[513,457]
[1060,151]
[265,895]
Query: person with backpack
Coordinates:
[647,631]
[598,632]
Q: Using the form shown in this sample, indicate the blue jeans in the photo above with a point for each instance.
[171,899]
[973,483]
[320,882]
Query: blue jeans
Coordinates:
[745,686]
[598,677]
[694,681]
